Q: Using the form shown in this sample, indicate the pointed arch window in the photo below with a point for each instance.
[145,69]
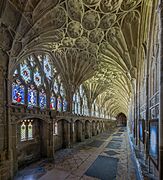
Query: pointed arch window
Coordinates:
[23,131]
[18,92]
[30,130]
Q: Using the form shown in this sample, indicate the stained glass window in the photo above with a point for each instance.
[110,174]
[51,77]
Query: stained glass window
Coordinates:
[47,67]
[30,130]
[64,105]
[32,96]
[23,131]
[42,99]
[56,87]
[37,78]
[25,72]
[33,71]
[53,102]
[18,93]
[59,104]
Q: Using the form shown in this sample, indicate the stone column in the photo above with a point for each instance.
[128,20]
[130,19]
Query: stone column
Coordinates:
[4,120]
[72,133]
[68,135]
[50,140]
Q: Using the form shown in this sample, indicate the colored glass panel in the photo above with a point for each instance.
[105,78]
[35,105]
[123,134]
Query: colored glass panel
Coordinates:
[47,67]
[59,104]
[30,131]
[56,87]
[23,131]
[53,103]
[37,78]
[65,105]
[25,72]
[18,93]
[42,100]
[32,97]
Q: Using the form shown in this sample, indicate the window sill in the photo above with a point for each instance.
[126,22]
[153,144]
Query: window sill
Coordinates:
[27,140]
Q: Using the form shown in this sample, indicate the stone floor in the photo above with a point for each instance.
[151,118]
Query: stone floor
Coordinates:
[107,157]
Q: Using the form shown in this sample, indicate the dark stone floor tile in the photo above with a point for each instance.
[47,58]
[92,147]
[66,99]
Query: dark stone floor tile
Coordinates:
[113,145]
[96,143]
[104,168]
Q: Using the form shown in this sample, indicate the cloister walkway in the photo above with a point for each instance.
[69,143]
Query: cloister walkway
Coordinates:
[107,156]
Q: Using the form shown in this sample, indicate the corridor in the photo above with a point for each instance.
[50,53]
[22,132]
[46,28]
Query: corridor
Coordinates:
[107,156]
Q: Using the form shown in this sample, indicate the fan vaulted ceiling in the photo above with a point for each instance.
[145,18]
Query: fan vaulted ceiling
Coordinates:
[94,42]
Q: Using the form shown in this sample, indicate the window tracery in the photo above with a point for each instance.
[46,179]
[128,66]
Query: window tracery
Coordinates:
[37,79]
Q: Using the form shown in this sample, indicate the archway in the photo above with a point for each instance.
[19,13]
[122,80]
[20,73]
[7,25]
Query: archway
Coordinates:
[87,129]
[63,136]
[78,130]
[121,119]
[98,127]
[32,137]
[93,128]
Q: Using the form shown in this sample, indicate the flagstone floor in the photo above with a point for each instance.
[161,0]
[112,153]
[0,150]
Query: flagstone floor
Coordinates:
[107,156]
